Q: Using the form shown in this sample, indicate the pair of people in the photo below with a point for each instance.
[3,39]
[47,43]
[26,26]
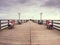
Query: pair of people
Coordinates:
[11,24]
[49,24]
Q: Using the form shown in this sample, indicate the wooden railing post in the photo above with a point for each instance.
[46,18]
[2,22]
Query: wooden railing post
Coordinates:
[52,22]
[0,24]
[8,22]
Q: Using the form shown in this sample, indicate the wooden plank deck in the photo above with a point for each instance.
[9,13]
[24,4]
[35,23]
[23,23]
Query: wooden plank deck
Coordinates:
[29,33]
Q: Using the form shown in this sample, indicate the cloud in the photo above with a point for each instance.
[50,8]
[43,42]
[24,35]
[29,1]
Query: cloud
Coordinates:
[8,4]
[23,1]
[52,3]
[5,3]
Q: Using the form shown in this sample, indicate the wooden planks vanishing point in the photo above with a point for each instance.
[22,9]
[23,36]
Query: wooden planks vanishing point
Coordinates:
[29,34]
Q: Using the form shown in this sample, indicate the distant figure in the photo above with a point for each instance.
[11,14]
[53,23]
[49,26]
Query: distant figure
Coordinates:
[19,21]
[49,24]
[11,24]
[40,21]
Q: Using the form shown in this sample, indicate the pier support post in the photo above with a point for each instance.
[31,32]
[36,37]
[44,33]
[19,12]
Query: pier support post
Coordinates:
[8,23]
[52,22]
[0,24]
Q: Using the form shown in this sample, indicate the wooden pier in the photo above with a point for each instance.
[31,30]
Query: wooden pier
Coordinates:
[29,34]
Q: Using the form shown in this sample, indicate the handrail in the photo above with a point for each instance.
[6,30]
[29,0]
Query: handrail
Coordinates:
[55,26]
[5,21]
[1,23]
[57,23]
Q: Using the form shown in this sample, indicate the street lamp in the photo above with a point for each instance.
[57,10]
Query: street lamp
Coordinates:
[19,16]
[41,16]
[19,19]
[41,21]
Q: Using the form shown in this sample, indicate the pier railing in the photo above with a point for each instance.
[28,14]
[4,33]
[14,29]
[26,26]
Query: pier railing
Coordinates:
[4,23]
[55,23]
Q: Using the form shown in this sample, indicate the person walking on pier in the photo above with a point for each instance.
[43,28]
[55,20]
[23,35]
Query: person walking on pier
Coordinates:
[11,24]
[49,24]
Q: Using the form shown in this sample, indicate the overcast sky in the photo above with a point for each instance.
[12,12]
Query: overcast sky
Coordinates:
[30,9]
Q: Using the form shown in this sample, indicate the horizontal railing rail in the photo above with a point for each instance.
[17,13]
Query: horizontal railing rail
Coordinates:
[55,24]
[4,23]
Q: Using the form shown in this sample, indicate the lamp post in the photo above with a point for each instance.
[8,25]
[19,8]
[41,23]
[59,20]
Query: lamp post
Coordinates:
[19,16]
[41,21]
[41,16]
[19,19]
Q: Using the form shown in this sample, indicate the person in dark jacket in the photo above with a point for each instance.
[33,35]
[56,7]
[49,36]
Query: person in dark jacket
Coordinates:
[11,24]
